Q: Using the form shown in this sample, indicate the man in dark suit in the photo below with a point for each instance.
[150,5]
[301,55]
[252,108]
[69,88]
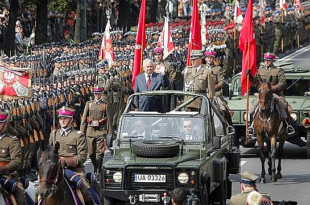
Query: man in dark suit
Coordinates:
[147,81]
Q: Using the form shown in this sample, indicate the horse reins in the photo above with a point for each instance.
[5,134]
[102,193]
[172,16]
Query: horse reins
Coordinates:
[55,187]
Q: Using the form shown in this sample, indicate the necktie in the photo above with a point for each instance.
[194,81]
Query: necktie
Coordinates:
[148,84]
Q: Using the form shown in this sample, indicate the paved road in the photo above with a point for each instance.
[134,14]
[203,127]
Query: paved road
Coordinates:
[295,184]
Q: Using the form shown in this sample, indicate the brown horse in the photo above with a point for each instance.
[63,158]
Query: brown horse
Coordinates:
[266,125]
[52,188]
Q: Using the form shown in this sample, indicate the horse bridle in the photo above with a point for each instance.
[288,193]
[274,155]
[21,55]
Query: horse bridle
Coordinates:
[55,187]
[269,105]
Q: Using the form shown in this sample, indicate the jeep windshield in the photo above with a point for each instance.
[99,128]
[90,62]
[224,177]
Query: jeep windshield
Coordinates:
[162,128]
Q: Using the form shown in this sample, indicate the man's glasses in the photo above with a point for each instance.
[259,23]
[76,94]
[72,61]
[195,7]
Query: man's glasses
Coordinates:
[187,126]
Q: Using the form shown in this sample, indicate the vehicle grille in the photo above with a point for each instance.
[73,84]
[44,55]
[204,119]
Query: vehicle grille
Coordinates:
[131,185]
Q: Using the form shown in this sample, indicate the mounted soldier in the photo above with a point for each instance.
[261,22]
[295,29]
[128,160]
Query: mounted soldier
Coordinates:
[10,158]
[276,76]
[73,147]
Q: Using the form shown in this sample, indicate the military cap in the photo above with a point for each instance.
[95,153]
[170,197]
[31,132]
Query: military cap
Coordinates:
[248,178]
[66,112]
[196,54]
[269,56]
[98,90]
[3,116]
[158,50]
[210,54]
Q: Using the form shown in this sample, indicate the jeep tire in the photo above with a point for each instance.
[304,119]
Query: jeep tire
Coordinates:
[154,149]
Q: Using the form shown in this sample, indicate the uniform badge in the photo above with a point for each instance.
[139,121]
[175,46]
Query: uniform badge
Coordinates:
[3,151]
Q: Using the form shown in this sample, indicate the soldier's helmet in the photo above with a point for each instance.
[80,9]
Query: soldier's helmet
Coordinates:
[3,116]
[66,112]
[248,178]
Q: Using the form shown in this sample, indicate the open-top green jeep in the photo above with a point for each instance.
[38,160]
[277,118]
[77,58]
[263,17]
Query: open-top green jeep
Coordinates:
[296,94]
[157,152]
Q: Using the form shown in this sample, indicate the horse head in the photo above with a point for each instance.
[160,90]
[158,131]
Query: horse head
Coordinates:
[50,171]
[265,95]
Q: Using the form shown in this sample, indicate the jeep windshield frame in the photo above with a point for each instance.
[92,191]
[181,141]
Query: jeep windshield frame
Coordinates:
[172,126]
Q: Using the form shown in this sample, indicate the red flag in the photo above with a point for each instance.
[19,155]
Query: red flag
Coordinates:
[165,40]
[195,33]
[106,51]
[247,44]
[140,44]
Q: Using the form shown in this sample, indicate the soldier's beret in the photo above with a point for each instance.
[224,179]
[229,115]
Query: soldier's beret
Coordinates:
[248,178]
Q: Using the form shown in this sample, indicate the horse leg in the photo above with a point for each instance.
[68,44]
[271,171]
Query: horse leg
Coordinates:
[260,142]
[273,141]
[280,151]
[269,157]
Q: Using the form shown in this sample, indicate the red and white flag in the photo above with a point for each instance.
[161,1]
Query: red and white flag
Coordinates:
[165,40]
[238,18]
[106,51]
[247,44]
[283,5]
[195,33]
[140,44]
[262,5]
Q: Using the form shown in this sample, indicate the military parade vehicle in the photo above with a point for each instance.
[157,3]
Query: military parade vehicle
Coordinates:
[156,152]
[296,94]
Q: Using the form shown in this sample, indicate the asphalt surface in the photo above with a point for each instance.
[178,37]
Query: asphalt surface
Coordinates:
[295,184]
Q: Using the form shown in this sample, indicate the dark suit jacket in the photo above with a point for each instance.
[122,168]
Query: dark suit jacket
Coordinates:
[149,103]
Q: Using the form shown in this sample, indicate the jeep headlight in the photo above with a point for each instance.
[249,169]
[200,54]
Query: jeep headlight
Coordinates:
[294,116]
[183,178]
[117,177]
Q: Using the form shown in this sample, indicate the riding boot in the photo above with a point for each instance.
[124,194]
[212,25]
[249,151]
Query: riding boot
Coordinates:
[250,131]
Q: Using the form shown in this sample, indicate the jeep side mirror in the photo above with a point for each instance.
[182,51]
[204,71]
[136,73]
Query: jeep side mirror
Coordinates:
[217,142]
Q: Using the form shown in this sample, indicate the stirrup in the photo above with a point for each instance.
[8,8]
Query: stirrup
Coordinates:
[231,130]
[290,130]
[250,131]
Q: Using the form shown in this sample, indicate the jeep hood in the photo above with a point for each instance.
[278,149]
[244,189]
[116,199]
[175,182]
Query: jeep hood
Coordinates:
[127,158]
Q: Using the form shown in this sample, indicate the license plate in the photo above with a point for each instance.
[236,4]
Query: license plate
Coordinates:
[150,178]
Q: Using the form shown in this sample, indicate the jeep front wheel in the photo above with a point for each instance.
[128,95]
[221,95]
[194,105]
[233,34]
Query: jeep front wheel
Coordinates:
[154,149]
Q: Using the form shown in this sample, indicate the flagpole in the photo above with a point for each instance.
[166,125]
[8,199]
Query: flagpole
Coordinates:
[282,39]
[235,38]
[141,61]
[247,92]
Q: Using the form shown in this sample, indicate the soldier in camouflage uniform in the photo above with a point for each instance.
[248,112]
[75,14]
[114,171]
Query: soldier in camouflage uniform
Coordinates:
[10,157]
[94,124]
[269,72]
[73,147]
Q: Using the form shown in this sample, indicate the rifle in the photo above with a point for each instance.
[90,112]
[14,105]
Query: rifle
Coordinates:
[32,121]
[26,124]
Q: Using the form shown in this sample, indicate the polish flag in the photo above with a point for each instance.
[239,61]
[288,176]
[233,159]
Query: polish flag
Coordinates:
[106,51]
[238,18]
[165,40]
